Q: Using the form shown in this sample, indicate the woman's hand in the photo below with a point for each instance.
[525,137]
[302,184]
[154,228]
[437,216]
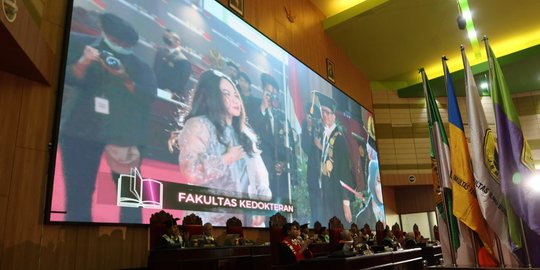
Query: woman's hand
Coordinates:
[233,154]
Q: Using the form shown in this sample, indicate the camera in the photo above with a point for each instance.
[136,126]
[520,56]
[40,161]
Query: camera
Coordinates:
[270,95]
[274,100]
[110,61]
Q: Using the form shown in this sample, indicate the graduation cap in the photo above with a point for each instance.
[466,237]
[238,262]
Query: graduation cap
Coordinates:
[304,226]
[268,79]
[325,100]
[118,28]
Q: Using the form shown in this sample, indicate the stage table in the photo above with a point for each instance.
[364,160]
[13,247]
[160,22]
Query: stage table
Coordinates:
[403,259]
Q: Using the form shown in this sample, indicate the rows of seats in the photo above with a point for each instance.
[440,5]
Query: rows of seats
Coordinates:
[191,225]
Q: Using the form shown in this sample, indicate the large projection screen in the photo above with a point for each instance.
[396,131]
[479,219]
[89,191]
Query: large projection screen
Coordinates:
[182,106]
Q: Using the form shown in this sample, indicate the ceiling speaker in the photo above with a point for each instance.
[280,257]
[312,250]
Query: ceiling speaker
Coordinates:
[461,22]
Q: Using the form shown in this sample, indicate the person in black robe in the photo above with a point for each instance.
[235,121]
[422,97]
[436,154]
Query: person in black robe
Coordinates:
[336,167]
[171,67]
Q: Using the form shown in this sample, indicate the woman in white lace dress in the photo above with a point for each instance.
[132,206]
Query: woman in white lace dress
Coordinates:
[218,150]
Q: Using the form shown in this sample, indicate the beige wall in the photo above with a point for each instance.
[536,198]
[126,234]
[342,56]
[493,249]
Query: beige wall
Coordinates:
[26,120]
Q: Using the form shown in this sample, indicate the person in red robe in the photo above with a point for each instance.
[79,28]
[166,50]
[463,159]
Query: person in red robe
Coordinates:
[293,248]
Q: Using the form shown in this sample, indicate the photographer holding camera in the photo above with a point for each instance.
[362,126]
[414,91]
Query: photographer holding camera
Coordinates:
[269,123]
[109,91]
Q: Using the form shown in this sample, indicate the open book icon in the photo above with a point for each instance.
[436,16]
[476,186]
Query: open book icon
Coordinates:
[134,191]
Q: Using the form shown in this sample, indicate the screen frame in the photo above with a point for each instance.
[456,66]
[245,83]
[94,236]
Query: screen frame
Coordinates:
[53,144]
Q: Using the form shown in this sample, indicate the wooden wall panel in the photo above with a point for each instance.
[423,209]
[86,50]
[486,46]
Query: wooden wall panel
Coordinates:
[414,199]
[37,116]
[31,42]
[3,214]
[24,213]
[10,107]
[389,198]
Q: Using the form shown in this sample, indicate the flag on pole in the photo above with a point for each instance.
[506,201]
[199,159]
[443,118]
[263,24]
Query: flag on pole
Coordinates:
[466,206]
[516,165]
[515,159]
[485,163]
[441,159]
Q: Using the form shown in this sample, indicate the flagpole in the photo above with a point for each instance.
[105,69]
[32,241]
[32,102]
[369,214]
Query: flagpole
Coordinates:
[525,244]
[441,186]
[471,235]
[523,237]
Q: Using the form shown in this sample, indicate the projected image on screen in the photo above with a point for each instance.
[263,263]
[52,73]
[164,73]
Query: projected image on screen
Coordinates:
[182,106]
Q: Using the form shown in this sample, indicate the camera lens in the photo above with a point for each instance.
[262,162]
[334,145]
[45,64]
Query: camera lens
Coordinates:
[112,62]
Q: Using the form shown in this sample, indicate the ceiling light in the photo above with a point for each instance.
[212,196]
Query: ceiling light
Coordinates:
[533,182]
[472,34]
[484,85]
[467,15]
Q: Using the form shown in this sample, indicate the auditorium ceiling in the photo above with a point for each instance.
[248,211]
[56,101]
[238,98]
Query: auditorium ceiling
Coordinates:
[390,39]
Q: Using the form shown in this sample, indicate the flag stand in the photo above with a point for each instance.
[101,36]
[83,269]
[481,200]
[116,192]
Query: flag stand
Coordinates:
[473,243]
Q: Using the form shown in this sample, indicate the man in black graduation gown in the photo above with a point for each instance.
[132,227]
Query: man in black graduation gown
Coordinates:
[335,164]
[268,121]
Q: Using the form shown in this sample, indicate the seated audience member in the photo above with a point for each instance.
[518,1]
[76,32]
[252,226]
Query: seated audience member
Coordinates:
[236,240]
[354,230]
[398,234]
[345,241]
[410,241]
[324,237]
[436,233]
[304,232]
[389,239]
[345,246]
[364,236]
[418,235]
[207,237]
[367,232]
[172,238]
[292,249]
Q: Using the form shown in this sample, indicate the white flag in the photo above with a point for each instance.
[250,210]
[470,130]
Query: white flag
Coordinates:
[484,160]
